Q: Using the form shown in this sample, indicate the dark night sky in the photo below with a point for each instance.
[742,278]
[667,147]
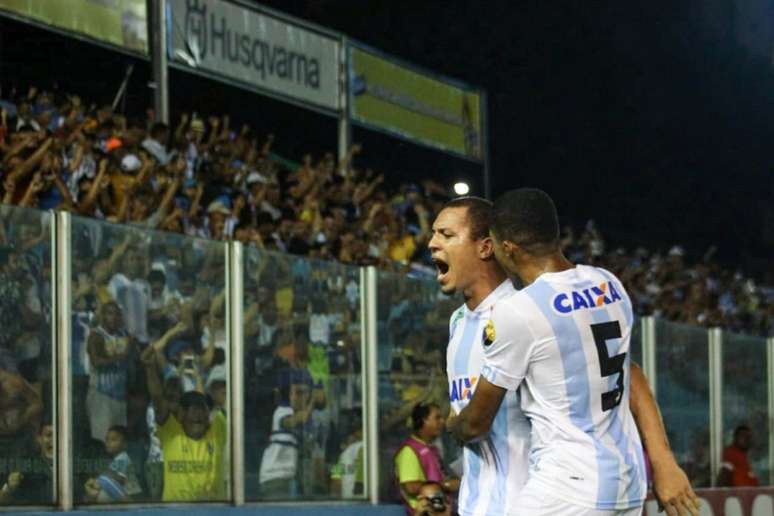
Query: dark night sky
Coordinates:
[654,118]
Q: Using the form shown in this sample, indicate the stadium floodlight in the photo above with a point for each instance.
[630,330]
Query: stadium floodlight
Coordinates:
[461,188]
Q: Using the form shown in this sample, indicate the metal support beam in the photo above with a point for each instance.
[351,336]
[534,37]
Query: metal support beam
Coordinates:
[370,378]
[716,400]
[235,336]
[159,60]
[61,335]
[649,351]
[345,133]
[770,377]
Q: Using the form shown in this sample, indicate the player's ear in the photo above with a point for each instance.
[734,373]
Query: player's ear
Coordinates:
[511,249]
[486,248]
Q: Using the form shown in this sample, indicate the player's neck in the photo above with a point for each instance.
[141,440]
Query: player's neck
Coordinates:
[530,270]
[485,284]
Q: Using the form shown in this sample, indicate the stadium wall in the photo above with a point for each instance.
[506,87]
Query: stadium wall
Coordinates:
[252,510]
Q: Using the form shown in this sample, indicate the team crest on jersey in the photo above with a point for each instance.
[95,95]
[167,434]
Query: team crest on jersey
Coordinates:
[593,297]
[489,333]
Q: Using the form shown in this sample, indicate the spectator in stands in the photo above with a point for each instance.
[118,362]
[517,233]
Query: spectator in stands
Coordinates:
[217,388]
[193,442]
[172,391]
[11,295]
[31,482]
[347,473]
[735,471]
[156,143]
[109,347]
[119,482]
[418,460]
[280,461]
[176,350]
[20,409]
[129,287]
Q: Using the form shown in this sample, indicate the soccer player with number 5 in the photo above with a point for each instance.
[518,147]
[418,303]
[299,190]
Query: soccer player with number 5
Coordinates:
[562,344]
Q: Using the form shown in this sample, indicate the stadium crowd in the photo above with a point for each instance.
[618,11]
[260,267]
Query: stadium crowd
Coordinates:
[208,179]
[149,339]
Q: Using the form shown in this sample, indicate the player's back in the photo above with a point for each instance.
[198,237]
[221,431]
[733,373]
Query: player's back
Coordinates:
[567,337]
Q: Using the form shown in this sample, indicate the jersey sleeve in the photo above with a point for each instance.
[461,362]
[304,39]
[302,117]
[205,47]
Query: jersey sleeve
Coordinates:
[167,431]
[507,347]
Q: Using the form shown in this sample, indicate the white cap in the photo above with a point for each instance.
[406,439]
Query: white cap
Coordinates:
[217,374]
[218,207]
[130,163]
[255,177]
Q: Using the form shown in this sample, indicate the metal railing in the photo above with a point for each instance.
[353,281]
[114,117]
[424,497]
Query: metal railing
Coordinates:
[372,342]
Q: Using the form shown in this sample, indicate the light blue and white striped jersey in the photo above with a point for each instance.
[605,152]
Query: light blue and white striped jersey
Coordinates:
[565,340]
[493,472]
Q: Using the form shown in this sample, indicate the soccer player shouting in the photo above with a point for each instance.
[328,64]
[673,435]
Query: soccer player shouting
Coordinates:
[495,469]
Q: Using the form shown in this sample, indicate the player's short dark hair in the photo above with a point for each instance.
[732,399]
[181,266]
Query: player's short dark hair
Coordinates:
[420,413]
[527,217]
[479,214]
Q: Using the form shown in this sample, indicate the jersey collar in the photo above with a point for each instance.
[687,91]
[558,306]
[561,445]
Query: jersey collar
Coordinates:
[504,289]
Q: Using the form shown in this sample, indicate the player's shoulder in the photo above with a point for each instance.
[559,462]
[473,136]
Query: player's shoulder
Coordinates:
[601,271]
[515,300]
[512,310]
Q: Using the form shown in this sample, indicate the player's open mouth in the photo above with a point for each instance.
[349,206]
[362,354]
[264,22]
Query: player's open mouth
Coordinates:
[441,268]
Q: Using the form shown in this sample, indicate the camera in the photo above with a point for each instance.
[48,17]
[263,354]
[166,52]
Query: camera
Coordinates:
[438,502]
[188,363]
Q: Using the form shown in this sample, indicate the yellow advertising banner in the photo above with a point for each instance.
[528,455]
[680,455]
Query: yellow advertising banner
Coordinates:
[417,106]
[122,23]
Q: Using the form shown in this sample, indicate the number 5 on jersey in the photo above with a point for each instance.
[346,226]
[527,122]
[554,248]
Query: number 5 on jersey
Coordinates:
[609,365]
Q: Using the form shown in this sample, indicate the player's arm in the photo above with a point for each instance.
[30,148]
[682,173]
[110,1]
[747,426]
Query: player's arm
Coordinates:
[507,350]
[670,483]
[476,418]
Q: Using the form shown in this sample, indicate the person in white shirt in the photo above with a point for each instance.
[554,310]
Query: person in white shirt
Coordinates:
[278,475]
[562,342]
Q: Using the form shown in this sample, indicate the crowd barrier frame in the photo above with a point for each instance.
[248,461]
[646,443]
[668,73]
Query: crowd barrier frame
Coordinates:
[61,238]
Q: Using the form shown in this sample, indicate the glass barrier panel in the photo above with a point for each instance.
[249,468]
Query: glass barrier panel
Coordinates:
[413,332]
[682,375]
[635,344]
[745,399]
[302,373]
[26,358]
[150,364]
